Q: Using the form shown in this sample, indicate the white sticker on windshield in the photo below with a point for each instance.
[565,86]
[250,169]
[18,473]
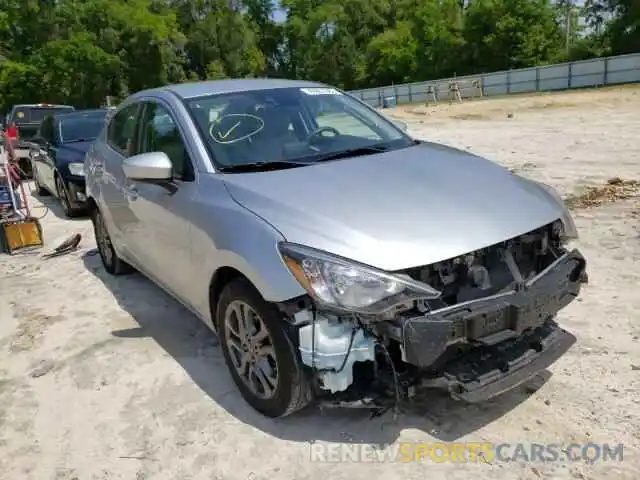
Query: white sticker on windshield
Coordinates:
[320,91]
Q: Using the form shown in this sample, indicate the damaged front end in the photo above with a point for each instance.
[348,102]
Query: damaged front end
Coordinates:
[476,325]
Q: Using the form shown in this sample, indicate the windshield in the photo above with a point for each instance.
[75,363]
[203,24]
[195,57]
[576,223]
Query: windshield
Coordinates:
[290,124]
[81,127]
[37,114]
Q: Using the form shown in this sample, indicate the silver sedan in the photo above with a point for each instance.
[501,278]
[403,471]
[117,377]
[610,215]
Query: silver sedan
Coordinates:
[339,260]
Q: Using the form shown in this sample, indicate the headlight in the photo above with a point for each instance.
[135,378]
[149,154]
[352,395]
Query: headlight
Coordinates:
[76,168]
[570,231]
[345,285]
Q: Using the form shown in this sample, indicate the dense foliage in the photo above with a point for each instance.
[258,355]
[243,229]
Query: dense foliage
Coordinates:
[80,51]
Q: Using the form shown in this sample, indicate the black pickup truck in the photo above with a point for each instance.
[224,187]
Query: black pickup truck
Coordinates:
[27,118]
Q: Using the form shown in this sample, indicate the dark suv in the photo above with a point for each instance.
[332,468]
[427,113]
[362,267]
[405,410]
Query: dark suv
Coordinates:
[27,118]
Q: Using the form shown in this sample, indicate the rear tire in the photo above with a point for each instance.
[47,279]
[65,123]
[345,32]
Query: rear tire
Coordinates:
[292,390]
[110,260]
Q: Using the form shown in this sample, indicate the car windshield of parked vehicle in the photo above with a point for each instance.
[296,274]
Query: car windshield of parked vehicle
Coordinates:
[291,127]
[81,128]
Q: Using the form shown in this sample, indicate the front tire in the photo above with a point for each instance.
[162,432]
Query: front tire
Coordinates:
[257,349]
[63,196]
[110,260]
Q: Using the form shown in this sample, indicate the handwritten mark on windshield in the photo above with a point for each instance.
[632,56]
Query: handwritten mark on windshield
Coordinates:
[229,131]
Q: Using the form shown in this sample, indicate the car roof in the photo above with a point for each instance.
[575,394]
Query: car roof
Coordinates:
[189,90]
[40,105]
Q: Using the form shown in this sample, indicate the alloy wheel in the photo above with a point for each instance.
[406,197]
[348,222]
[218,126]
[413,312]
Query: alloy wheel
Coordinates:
[251,349]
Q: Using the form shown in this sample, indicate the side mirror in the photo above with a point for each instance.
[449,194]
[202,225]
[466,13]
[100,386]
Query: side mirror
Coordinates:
[149,167]
[401,125]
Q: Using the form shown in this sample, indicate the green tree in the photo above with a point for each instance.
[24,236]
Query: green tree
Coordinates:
[76,71]
[504,34]
[79,51]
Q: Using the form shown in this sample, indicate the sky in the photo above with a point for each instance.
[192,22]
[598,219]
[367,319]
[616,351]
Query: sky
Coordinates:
[280,15]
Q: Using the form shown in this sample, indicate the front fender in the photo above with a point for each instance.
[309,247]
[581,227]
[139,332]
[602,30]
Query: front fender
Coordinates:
[225,234]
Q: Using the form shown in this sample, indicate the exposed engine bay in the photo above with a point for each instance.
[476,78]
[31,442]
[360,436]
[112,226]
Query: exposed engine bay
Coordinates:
[491,329]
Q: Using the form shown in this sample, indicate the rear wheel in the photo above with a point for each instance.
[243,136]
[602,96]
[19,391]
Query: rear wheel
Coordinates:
[257,349]
[110,260]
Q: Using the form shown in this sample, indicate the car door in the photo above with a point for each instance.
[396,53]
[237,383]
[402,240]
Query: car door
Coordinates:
[160,239]
[119,144]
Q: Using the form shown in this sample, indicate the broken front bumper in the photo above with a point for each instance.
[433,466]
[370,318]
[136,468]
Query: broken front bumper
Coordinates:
[510,336]
[486,373]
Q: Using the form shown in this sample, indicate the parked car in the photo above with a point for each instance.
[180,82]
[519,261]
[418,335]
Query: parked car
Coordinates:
[338,259]
[57,156]
[27,117]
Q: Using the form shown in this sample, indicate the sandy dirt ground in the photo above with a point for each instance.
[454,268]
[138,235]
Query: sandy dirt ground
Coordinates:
[109,378]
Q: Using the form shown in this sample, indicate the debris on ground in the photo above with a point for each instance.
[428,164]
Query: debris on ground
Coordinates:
[43,368]
[69,245]
[523,168]
[615,189]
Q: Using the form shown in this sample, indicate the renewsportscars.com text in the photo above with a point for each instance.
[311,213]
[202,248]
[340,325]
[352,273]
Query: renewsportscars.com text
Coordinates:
[469,452]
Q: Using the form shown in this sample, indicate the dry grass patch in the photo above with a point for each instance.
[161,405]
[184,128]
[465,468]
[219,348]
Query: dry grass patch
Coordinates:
[615,189]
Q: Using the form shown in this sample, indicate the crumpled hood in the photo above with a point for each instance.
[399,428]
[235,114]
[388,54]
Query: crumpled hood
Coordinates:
[397,209]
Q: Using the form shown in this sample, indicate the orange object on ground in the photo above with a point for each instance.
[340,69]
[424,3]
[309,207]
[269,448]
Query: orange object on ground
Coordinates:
[15,235]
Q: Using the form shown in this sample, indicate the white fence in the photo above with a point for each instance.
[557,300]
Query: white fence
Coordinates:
[586,73]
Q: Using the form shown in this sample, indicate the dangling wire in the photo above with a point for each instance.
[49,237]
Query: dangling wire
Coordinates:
[395,379]
[313,341]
